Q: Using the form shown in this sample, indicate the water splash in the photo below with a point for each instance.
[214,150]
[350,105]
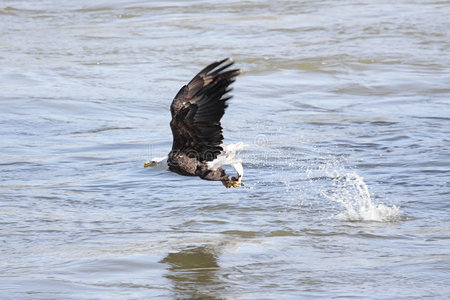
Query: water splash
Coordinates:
[352,193]
[309,175]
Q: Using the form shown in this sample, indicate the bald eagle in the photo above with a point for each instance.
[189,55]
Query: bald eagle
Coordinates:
[196,110]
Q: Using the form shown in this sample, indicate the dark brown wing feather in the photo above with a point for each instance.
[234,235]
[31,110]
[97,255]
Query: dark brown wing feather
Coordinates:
[197,110]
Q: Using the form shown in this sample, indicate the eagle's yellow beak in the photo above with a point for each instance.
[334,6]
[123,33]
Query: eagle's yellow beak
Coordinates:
[147,164]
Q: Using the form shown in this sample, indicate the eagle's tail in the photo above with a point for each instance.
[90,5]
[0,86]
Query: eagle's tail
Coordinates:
[228,157]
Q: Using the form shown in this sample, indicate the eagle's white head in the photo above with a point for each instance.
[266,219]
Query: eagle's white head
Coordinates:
[157,162]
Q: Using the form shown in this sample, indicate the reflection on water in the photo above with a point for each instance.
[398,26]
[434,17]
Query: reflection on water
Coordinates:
[193,272]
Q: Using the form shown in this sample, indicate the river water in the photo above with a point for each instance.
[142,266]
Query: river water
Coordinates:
[344,108]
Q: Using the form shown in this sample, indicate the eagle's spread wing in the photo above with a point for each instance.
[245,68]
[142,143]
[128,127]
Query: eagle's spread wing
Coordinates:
[197,110]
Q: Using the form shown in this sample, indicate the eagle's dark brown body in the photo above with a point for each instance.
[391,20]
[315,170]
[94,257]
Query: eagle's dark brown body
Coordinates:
[196,112]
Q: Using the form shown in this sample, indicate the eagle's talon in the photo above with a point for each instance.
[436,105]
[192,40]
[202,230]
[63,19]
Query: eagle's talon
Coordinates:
[231,183]
[235,183]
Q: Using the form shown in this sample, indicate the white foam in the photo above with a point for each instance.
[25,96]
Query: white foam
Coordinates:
[352,193]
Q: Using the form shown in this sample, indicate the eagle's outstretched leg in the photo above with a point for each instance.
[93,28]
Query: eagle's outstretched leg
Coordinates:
[216,175]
